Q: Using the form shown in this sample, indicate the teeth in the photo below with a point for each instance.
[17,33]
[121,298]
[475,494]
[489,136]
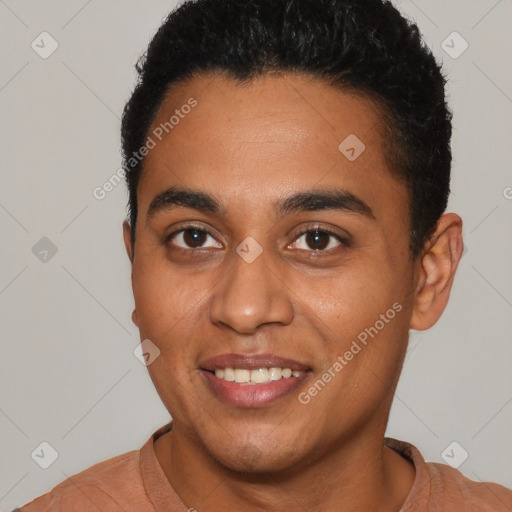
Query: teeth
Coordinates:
[259,376]
[242,375]
[275,373]
[229,374]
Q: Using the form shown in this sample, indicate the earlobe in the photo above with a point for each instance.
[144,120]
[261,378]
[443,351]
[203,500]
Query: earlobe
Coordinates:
[135,318]
[128,240]
[437,271]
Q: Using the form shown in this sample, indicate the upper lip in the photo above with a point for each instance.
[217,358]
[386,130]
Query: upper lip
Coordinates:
[251,362]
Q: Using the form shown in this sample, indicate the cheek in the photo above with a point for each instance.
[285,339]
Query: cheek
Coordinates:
[352,296]
[167,302]
[361,352]
[170,307]
[362,315]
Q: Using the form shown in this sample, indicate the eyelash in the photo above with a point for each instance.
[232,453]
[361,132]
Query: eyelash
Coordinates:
[186,227]
[343,241]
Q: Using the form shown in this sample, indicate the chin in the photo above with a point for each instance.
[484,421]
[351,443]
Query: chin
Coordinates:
[253,455]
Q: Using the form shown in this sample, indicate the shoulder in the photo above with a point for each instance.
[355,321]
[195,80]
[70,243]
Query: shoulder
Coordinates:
[113,485]
[442,488]
[452,486]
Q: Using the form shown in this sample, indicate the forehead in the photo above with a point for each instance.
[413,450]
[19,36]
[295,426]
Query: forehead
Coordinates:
[272,135]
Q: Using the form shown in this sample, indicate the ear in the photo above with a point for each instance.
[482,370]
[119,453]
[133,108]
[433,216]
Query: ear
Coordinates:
[128,240]
[129,250]
[438,264]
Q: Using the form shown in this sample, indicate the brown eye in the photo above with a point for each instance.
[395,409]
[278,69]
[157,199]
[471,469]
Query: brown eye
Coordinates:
[193,238]
[317,240]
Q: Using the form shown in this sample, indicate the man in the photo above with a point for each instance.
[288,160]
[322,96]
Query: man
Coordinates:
[288,165]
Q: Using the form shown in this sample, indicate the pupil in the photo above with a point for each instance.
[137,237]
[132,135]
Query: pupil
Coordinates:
[194,237]
[317,240]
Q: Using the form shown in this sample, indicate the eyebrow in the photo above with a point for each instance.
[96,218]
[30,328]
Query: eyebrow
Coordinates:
[313,200]
[325,200]
[174,196]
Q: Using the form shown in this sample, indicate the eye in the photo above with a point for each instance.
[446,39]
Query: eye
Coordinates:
[193,238]
[317,239]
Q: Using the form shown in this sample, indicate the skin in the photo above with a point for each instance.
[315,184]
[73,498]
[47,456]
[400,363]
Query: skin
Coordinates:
[251,146]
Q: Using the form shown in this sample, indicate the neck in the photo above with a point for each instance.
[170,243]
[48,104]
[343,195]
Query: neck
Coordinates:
[358,474]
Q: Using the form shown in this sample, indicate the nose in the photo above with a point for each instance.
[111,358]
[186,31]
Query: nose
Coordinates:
[250,296]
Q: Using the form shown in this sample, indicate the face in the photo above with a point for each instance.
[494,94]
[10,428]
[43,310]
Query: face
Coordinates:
[264,249]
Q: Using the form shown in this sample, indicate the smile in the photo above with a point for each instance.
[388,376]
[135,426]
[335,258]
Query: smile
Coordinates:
[258,376]
[252,380]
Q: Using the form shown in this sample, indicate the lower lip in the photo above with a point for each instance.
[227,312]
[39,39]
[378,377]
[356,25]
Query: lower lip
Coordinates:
[253,395]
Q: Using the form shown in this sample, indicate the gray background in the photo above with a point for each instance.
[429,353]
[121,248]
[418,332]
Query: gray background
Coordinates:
[68,373]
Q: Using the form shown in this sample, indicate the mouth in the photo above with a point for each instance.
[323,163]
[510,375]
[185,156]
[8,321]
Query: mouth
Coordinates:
[253,381]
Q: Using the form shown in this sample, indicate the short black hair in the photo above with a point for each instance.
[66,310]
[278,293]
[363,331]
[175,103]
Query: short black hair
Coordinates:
[362,46]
